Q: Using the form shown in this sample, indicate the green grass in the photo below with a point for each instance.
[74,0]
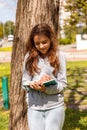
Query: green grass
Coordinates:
[4,119]
[76,92]
[4,69]
[6,49]
[75,119]
[4,114]
[79,64]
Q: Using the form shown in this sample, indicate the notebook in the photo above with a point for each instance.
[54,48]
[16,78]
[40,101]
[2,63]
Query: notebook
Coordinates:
[50,82]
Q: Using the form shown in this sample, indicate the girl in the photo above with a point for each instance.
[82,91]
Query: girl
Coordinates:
[44,62]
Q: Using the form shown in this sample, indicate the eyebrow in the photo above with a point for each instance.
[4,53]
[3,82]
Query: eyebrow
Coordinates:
[41,41]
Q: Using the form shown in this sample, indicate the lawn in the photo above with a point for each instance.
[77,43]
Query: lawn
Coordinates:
[75,96]
[4,71]
[5,49]
[4,118]
[76,92]
[75,119]
[4,114]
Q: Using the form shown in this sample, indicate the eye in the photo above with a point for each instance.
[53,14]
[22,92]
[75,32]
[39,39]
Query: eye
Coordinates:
[44,42]
[37,43]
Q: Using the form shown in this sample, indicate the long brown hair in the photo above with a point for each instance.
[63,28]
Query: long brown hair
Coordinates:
[32,60]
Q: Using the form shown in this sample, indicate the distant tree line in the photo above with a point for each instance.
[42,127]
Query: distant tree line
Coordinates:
[6,29]
[76,23]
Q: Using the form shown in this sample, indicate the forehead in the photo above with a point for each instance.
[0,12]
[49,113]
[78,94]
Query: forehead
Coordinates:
[40,38]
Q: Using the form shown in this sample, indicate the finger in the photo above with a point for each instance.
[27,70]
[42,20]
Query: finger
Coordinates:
[31,86]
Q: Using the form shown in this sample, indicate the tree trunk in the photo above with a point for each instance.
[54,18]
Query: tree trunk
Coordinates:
[29,13]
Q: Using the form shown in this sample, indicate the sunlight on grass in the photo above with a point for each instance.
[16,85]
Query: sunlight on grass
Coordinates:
[4,71]
[6,49]
[75,119]
[4,118]
[4,114]
[83,121]
[79,64]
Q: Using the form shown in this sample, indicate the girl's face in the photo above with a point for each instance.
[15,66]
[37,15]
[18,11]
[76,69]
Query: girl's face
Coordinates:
[42,43]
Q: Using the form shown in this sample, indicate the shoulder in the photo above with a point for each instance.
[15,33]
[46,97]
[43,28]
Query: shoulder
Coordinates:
[61,54]
[62,57]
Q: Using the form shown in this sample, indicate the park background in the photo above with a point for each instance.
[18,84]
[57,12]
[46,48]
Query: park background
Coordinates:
[76,92]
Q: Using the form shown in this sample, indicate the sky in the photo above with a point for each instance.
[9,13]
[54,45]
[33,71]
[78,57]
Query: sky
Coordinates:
[7,10]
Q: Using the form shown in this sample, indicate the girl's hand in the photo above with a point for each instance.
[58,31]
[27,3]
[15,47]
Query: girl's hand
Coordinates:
[44,78]
[37,86]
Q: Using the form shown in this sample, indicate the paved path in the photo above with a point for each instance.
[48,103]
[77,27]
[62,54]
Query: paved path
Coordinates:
[72,54]
[5,57]
[76,55]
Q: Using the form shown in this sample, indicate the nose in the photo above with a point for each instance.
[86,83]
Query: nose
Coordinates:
[41,45]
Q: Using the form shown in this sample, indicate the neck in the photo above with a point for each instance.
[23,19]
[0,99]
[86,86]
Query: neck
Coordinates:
[43,55]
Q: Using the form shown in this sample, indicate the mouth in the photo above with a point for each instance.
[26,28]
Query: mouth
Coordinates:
[43,50]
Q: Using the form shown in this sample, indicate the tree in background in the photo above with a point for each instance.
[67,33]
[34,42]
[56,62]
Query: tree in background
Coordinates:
[1,30]
[77,21]
[29,13]
[9,28]
[6,29]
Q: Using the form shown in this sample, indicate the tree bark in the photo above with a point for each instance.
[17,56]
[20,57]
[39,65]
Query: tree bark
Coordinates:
[29,13]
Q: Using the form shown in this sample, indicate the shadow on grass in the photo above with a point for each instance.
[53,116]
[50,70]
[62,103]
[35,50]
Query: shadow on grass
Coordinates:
[76,100]
[76,92]
[75,119]
[75,95]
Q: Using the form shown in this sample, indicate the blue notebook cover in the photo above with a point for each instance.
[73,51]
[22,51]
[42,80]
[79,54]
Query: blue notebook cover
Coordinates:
[50,82]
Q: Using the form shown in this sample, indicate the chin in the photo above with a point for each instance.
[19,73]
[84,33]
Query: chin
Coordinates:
[43,53]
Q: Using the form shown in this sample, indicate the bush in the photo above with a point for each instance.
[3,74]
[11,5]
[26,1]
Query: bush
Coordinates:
[65,41]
